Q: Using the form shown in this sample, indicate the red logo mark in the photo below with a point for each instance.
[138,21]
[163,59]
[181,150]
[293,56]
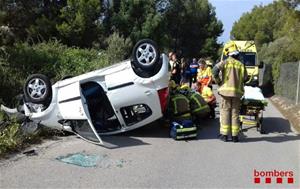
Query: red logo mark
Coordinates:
[268,180]
[290,180]
[256,180]
[279,180]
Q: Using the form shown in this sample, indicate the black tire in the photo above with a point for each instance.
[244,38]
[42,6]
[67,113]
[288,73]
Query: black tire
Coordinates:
[145,55]
[37,89]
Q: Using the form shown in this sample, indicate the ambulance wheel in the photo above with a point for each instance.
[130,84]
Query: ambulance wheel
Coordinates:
[260,123]
[262,131]
[260,128]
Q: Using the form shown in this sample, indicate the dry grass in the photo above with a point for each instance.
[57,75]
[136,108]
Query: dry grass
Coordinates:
[13,139]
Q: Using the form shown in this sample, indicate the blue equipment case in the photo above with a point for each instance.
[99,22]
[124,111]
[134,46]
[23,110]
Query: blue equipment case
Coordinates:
[183,130]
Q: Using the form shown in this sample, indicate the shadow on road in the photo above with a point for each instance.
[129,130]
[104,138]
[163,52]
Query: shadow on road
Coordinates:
[132,138]
[277,130]
[274,125]
[159,129]
[208,129]
[114,142]
[274,139]
[156,129]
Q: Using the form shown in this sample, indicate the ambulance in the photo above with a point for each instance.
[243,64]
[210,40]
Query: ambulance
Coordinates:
[248,56]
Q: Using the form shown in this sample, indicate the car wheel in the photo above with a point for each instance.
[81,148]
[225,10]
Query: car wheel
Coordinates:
[38,89]
[145,55]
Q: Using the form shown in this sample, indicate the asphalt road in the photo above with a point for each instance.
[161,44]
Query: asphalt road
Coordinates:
[148,158]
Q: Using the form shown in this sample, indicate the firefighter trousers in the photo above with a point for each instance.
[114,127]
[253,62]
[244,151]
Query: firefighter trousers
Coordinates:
[229,115]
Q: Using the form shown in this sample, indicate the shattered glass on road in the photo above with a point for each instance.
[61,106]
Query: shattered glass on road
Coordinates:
[87,160]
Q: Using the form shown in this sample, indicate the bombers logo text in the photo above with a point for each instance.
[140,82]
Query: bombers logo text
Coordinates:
[274,176]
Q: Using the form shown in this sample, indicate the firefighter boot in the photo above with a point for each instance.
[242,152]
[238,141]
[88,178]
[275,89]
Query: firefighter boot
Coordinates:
[235,139]
[223,138]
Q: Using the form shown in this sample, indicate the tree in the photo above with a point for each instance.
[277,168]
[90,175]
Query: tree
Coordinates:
[265,24]
[44,26]
[81,22]
[193,27]
[33,20]
[189,27]
[139,19]
[276,31]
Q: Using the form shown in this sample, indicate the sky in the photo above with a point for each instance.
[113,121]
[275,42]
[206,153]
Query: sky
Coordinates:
[229,11]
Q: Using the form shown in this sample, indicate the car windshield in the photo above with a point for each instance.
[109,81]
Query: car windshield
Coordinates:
[247,58]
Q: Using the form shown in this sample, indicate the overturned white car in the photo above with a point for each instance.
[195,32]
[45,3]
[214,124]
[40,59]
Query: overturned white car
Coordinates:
[115,99]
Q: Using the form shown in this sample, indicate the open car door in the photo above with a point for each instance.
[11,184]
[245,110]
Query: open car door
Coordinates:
[86,130]
[73,107]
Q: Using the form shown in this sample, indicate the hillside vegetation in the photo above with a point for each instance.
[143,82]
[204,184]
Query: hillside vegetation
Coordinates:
[70,37]
[276,31]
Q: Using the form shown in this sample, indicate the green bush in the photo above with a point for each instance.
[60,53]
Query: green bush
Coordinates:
[10,134]
[10,84]
[54,59]
[10,138]
[50,58]
[2,115]
[118,48]
[277,53]
[13,138]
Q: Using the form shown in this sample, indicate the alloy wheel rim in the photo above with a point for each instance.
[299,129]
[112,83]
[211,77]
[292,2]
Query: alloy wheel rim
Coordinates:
[146,54]
[36,88]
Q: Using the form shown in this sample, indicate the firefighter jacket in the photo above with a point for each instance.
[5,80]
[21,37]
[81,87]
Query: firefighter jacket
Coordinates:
[180,107]
[198,104]
[234,75]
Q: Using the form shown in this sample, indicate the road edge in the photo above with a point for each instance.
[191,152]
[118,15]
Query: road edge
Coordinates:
[289,110]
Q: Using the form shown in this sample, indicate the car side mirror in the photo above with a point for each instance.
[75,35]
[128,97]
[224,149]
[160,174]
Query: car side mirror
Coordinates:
[261,64]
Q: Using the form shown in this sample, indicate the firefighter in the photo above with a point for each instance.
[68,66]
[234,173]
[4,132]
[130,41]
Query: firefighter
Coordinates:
[179,106]
[199,107]
[231,89]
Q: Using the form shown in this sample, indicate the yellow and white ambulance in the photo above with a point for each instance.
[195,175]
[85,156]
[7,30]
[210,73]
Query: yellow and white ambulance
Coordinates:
[248,56]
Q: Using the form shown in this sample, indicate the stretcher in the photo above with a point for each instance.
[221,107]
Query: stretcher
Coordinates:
[252,107]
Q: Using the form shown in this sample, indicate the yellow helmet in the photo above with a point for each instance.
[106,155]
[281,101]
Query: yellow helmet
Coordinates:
[230,49]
